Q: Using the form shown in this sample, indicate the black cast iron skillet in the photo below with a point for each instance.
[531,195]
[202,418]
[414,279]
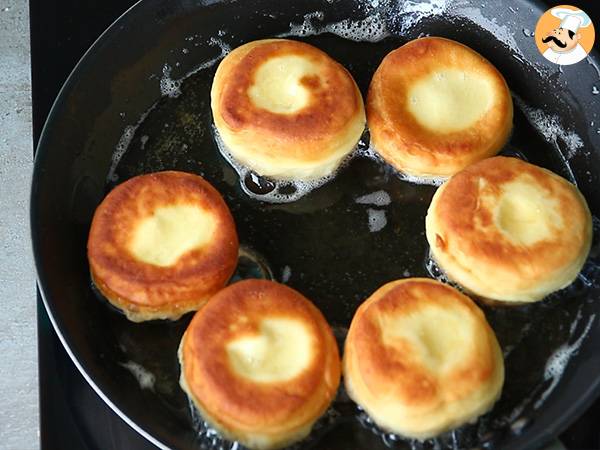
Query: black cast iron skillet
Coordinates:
[320,244]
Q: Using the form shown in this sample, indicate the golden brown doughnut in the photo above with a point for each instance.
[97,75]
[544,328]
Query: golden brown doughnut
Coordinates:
[435,106]
[421,359]
[260,363]
[510,231]
[161,245]
[286,110]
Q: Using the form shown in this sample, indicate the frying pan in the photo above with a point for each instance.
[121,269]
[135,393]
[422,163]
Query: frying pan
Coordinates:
[139,102]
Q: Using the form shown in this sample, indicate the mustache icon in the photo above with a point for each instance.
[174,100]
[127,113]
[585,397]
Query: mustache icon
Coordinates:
[555,40]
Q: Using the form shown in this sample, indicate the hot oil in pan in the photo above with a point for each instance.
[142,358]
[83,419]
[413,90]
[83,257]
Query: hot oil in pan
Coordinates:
[341,240]
[274,191]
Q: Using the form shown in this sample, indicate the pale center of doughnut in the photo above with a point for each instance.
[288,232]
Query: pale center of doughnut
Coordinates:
[277,84]
[449,100]
[438,338]
[526,214]
[171,231]
[280,350]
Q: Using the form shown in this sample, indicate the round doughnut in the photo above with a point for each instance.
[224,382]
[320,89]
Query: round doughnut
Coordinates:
[160,245]
[509,231]
[435,106]
[260,363]
[421,359]
[286,110]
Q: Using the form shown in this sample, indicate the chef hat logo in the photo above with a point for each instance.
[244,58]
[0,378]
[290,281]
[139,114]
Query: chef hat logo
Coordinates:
[564,35]
[571,19]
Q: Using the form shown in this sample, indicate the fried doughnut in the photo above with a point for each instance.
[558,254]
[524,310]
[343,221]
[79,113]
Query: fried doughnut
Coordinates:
[286,110]
[509,231]
[161,245]
[435,106]
[260,363]
[421,359]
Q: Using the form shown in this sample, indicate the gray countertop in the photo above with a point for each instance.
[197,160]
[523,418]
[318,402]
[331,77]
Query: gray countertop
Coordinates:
[19,422]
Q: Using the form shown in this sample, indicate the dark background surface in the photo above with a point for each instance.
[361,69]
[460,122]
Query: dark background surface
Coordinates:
[72,415]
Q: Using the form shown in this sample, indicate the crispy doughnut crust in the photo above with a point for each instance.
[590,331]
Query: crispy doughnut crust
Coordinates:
[305,144]
[465,230]
[262,415]
[416,375]
[145,291]
[415,149]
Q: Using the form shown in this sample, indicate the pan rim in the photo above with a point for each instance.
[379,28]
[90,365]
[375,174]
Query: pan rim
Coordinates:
[40,283]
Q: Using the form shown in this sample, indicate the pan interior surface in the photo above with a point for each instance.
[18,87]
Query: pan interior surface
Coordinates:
[145,107]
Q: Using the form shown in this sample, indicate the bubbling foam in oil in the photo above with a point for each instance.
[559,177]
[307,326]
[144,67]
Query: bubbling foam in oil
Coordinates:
[371,152]
[169,87]
[377,198]
[120,150]
[370,29]
[144,377]
[377,220]
[552,129]
[287,191]
[271,190]
[558,361]
[212,440]
[432,181]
